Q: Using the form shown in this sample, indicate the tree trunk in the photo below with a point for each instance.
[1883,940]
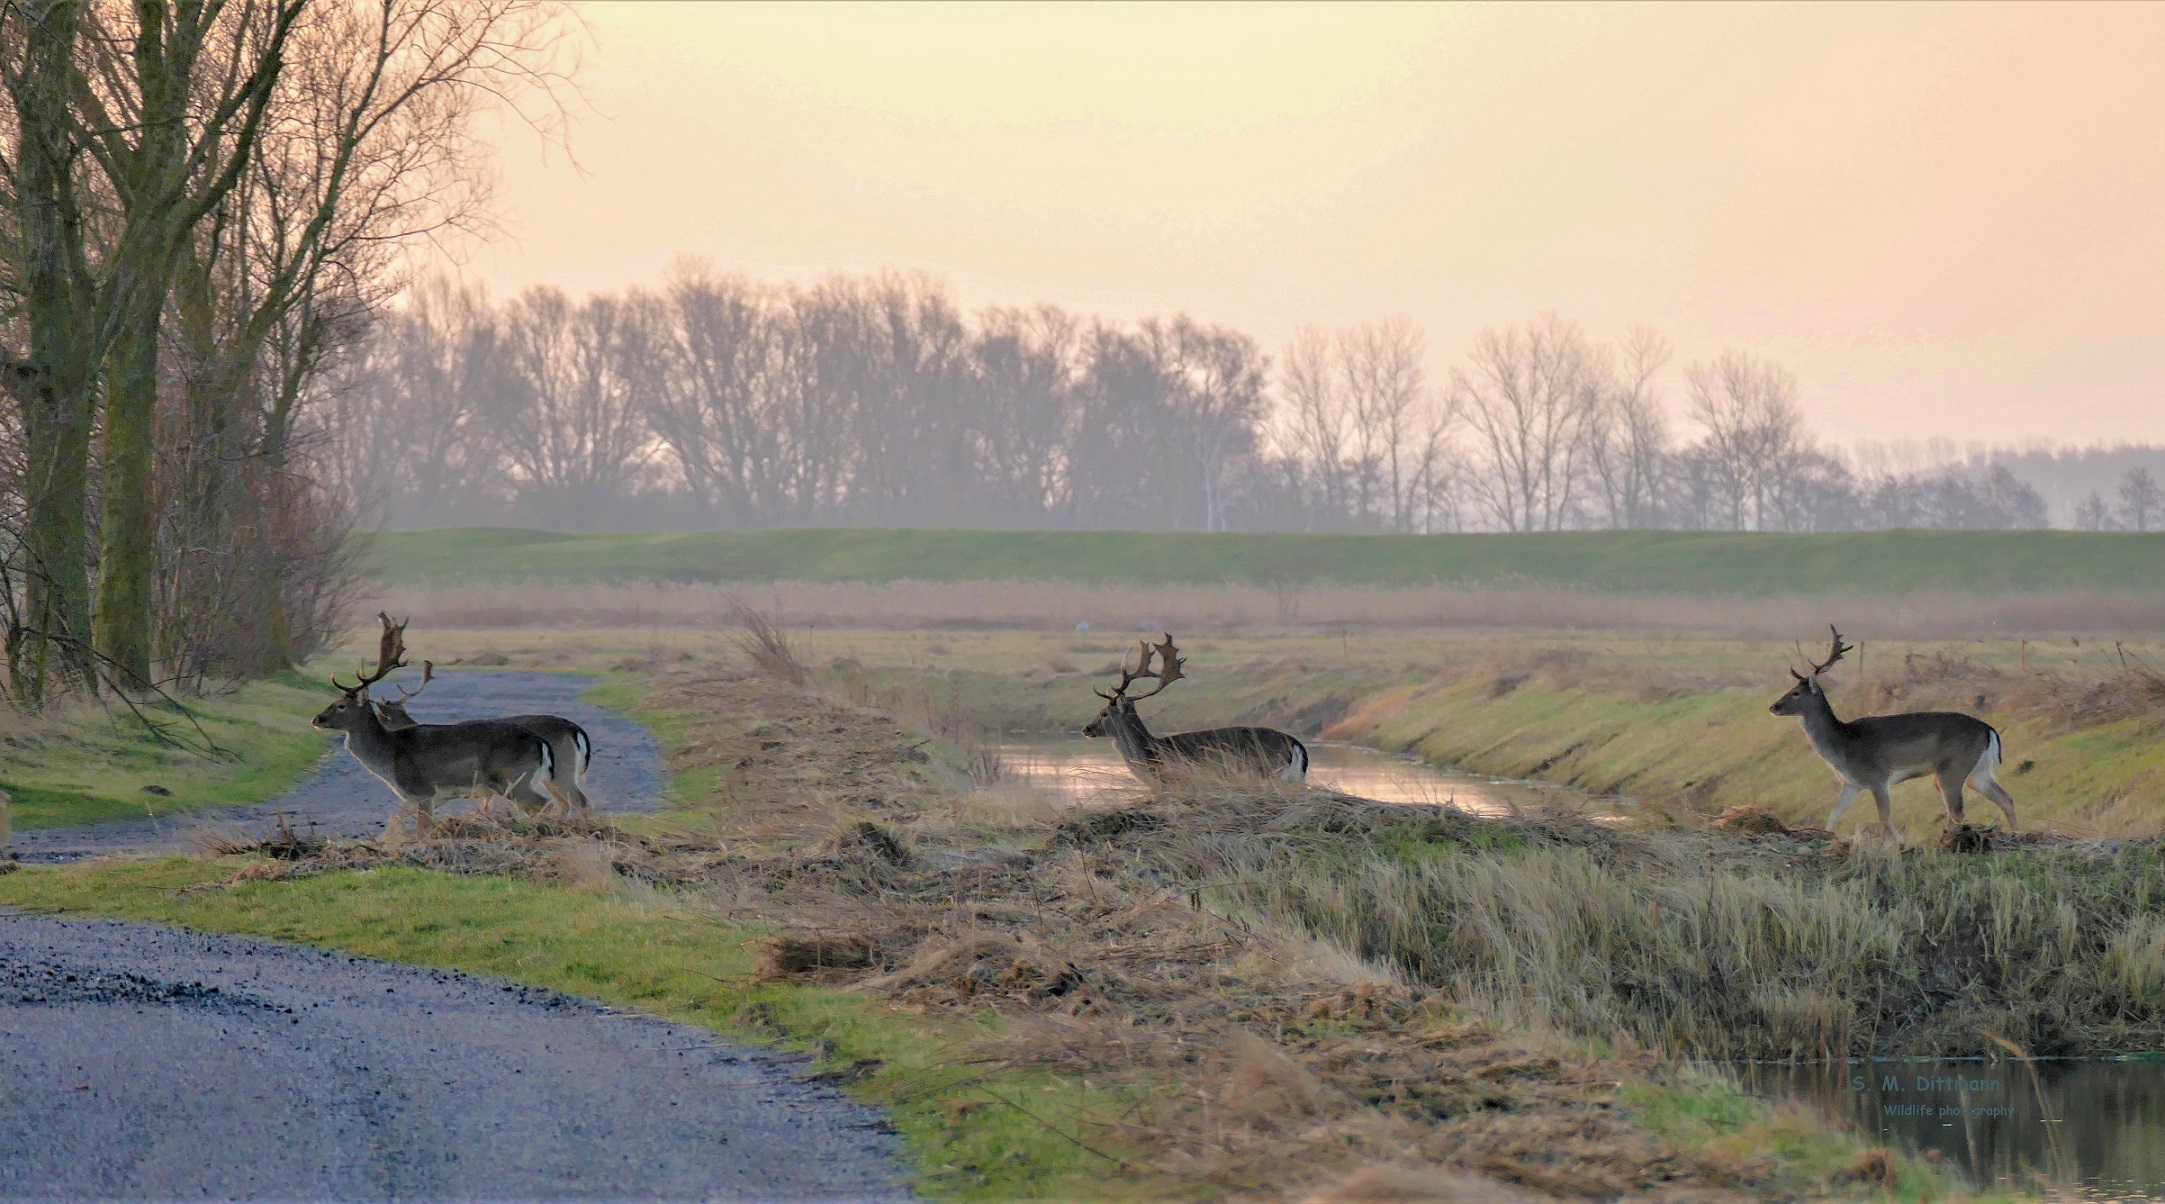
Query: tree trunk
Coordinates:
[55,538]
[56,409]
[129,556]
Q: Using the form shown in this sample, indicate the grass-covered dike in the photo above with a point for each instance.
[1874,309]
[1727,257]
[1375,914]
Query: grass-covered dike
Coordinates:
[1663,562]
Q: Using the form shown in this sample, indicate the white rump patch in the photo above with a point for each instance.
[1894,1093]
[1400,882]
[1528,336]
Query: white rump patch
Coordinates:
[1296,770]
[1982,771]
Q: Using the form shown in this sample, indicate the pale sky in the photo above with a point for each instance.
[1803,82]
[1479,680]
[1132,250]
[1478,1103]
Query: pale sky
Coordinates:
[1949,220]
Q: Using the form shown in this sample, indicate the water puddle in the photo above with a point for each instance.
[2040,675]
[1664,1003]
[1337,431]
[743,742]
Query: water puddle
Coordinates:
[1080,767]
[2096,1126]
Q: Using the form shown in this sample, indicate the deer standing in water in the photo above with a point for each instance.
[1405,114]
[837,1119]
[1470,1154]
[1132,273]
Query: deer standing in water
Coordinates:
[1260,750]
[569,745]
[1873,753]
[428,760]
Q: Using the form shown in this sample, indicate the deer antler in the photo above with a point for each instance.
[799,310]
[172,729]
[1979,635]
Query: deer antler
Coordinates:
[390,655]
[1834,652]
[428,674]
[1168,670]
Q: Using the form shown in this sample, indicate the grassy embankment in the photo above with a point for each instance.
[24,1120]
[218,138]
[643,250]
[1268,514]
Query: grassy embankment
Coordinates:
[83,763]
[1661,562]
[1671,721]
[1041,1016]
[1691,941]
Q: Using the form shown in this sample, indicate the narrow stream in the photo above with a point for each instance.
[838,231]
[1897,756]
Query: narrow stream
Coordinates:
[1080,767]
[2094,1126]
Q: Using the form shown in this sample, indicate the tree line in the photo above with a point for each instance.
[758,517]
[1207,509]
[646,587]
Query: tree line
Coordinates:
[202,205]
[716,401]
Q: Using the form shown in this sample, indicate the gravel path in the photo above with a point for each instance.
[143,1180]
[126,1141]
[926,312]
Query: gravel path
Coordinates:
[344,801]
[138,1061]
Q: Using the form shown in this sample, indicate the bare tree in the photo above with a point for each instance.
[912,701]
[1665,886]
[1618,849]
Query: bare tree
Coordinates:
[2092,514]
[1628,447]
[1316,420]
[1754,432]
[1024,365]
[715,410]
[2139,501]
[1529,394]
[1385,387]
[572,430]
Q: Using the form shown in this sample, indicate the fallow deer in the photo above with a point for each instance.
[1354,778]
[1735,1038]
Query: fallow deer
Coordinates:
[1259,750]
[569,746]
[1875,752]
[429,760]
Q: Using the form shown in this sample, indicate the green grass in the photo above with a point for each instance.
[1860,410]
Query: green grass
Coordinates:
[646,955]
[1872,562]
[88,765]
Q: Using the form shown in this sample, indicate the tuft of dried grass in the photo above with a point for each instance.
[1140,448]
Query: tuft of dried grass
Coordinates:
[800,955]
[1400,1182]
[1750,819]
[767,646]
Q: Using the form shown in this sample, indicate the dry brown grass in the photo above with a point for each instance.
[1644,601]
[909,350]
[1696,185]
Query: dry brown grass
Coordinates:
[1266,1062]
[1057,606]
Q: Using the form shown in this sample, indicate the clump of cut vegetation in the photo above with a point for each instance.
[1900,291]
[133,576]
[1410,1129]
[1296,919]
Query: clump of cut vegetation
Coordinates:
[546,849]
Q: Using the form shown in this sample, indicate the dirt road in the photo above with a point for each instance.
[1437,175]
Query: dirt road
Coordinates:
[344,801]
[138,1061]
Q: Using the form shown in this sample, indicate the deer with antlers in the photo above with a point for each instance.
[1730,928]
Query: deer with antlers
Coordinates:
[1874,753]
[428,760]
[569,745]
[1259,750]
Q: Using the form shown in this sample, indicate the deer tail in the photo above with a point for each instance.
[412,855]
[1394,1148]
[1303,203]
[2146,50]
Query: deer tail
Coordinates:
[1296,768]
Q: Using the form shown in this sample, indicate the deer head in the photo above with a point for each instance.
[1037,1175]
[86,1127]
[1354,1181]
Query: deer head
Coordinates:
[393,713]
[1807,688]
[354,701]
[1119,700]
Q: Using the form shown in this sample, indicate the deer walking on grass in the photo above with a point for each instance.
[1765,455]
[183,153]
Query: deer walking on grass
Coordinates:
[428,760]
[569,745]
[1875,752]
[1262,751]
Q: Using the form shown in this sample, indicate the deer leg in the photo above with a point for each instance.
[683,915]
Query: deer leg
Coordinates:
[1886,812]
[1950,789]
[1990,787]
[1850,791]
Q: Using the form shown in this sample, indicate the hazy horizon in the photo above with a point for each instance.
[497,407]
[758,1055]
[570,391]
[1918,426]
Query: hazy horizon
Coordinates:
[1942,218]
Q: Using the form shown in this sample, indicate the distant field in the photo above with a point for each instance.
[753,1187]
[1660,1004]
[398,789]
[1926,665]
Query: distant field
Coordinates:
[1655,562]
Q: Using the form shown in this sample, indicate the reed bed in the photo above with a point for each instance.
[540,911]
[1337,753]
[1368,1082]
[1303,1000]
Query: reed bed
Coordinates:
[1703,943]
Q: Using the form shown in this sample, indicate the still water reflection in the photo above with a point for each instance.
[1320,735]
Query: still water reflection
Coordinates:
[2098,1126]
[1077,766]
